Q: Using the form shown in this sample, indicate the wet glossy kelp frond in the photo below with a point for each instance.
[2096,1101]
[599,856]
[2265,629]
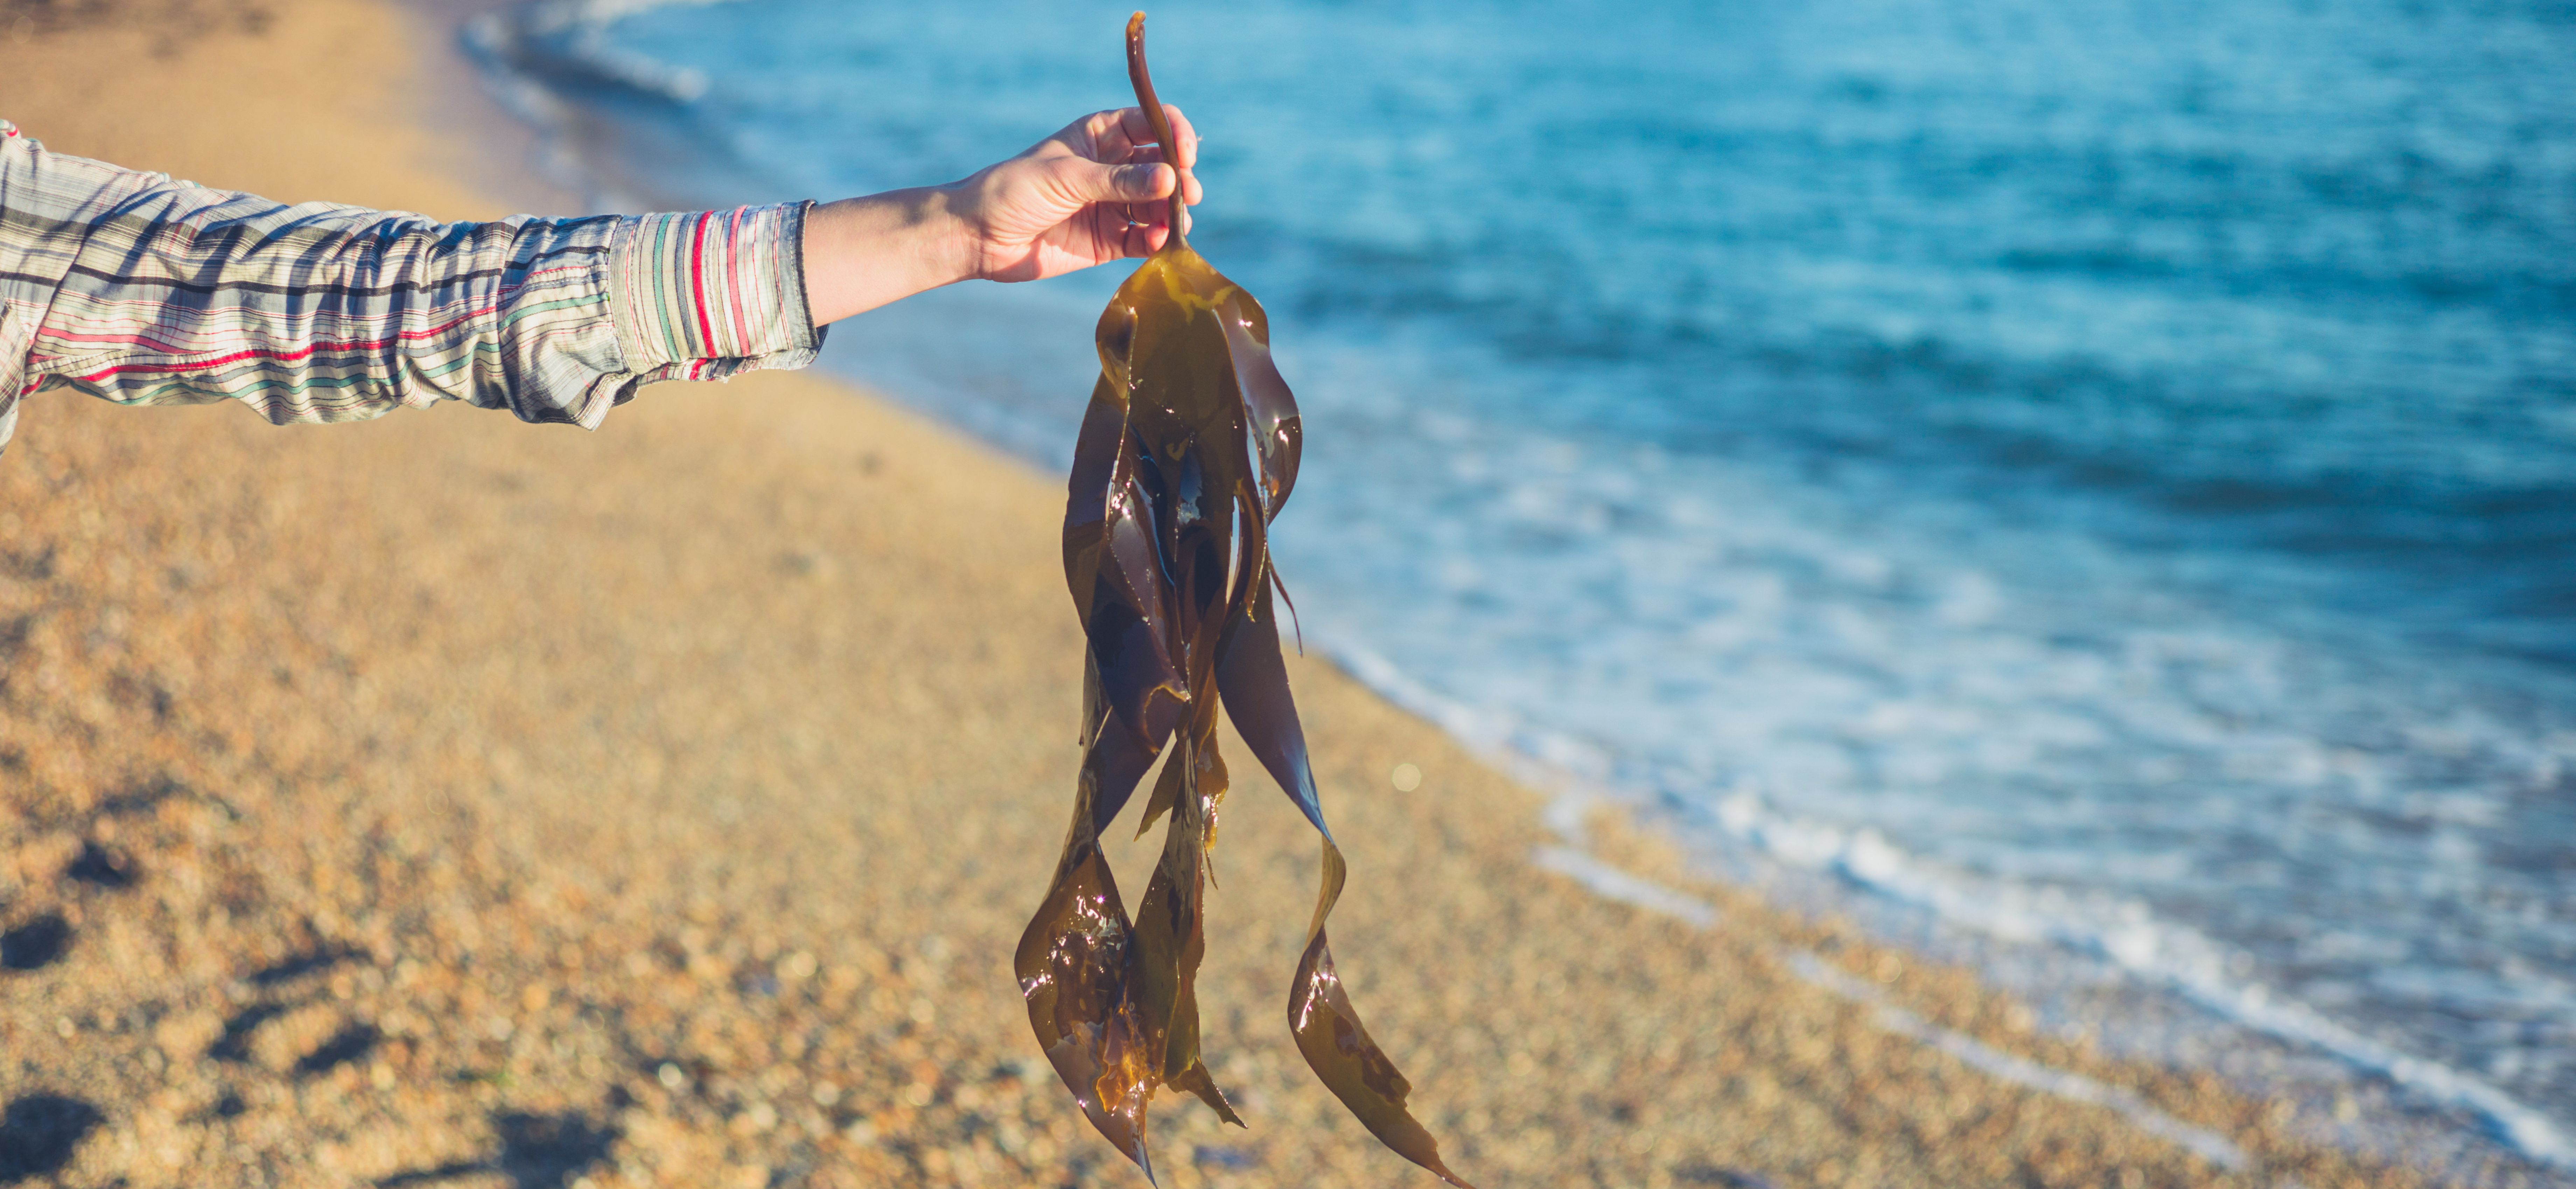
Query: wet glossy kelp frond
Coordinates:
[1187,451]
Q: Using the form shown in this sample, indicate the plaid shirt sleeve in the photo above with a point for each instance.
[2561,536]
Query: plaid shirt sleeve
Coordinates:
[144,290]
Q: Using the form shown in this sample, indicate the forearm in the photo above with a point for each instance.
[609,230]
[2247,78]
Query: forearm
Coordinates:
[861,253]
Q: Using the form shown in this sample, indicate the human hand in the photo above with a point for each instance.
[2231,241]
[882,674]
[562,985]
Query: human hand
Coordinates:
[1100,190]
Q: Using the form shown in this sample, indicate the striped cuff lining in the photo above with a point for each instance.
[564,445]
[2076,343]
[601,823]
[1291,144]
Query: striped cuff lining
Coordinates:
[707,294]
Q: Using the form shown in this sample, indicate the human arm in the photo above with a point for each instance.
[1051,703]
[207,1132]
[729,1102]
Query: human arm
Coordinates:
[141,289]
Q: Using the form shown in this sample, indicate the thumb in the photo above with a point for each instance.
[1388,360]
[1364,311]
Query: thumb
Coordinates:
[1123,183]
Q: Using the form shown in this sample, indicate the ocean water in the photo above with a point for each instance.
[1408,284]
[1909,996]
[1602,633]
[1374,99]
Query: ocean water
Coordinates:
[2102,475]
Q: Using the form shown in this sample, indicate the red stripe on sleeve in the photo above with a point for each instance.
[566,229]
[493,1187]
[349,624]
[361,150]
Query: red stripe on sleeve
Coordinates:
[698,284]
[733,236]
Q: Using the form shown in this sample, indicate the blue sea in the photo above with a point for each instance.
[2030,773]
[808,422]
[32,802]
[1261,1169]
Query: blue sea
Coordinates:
[2094,479]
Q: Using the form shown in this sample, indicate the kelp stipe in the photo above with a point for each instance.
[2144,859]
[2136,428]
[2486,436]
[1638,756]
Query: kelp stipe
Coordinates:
[1188,450]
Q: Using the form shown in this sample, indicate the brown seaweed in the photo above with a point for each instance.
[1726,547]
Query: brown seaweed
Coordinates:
[1188,450]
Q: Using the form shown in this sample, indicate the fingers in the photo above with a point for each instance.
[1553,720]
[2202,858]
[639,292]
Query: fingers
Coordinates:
[1133,126]
[1099,190]
[1145,239]
[1128,128]
[1124,231]
[1184,133]
[1125,136]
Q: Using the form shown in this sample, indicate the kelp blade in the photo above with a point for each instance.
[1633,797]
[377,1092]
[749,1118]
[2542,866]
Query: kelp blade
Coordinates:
[1170,926]
[1076,961]
[1341,1052]
[1328,1030]
[1071,965]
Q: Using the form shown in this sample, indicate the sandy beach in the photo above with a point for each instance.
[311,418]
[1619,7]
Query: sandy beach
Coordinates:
[451,801]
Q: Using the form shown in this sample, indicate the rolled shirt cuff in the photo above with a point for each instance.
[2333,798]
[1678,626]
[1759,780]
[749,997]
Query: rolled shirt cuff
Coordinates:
[705,295]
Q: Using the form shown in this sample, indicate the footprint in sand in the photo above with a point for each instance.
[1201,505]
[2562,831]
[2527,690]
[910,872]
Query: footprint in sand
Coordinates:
[234,1045]
[39,1133]
[103,866]
[277,1033]
[535,1149]
[43,939]
[351,1043]
[36,944]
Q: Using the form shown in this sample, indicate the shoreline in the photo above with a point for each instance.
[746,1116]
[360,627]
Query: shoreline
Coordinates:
[497,152]
[501,50]
[2346,1091]
[504,972]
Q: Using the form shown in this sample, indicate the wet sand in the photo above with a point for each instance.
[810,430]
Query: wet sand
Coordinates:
[450,801]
